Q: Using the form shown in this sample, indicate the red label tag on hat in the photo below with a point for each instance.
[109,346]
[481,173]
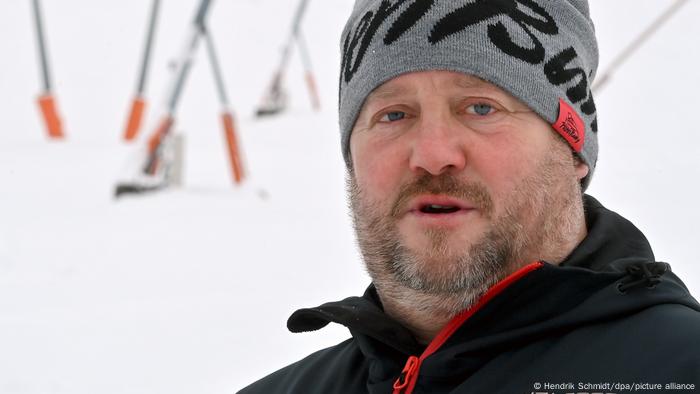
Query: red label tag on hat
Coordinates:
[570,126]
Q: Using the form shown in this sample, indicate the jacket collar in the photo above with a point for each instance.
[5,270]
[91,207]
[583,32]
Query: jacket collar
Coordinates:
[611,238]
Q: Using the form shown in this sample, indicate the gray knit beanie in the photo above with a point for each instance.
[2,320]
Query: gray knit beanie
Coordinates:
[544,52]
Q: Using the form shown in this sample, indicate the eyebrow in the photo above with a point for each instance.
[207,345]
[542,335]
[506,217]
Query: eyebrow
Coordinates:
[385,91]
[469,83]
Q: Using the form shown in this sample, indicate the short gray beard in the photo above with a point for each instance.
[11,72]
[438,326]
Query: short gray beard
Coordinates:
[445,283]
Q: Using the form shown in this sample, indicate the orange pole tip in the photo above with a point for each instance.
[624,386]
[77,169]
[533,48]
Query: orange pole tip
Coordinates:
[134,123]
[160,133]
[313,91]
[232,145]
[50,114]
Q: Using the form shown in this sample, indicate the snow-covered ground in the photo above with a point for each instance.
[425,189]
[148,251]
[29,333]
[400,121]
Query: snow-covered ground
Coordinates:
[188,290]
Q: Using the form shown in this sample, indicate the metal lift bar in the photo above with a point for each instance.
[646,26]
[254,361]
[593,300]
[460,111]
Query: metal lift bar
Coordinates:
[46,101]
[296,25]
[216,69]
[196,32]
[306,60]
[275,88]
[141,87]
[636,44]
[226,115]
[185,64]
[139,102]
[39,24]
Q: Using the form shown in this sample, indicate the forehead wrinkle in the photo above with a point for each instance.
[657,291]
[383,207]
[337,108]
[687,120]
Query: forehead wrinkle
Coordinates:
[470,82]
[388,91]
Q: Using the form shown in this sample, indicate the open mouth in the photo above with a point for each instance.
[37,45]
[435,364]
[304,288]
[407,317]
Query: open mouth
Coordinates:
[436,209]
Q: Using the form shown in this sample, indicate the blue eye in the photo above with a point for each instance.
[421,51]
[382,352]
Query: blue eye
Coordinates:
[482,109]
[393,116]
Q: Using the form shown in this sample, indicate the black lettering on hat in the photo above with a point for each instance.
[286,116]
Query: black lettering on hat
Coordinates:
[370,24]
[481,10]
[558,73]
[407,20]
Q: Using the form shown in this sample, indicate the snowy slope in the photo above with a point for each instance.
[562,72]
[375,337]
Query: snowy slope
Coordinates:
[188,290]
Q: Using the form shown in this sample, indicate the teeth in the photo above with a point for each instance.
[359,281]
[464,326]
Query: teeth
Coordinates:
[434,206]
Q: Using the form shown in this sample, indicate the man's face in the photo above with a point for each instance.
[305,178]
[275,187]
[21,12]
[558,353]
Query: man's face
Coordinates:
[456,183]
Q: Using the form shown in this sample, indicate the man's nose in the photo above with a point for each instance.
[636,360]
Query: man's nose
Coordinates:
[438,145]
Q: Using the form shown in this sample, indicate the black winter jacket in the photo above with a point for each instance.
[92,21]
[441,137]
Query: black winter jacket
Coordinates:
[609,319]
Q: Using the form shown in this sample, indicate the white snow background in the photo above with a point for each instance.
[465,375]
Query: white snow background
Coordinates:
[188,290]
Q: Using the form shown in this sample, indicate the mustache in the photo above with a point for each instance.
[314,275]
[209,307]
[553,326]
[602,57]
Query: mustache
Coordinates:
[444,184]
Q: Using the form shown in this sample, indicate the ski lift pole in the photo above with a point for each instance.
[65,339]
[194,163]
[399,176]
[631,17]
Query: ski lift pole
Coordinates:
[636,44]
[296,28]
[139,102]
[184,66]
[47,103]
[310,80]
[226,115]
[275,86]
[305,57]
[287,51]
[274,91]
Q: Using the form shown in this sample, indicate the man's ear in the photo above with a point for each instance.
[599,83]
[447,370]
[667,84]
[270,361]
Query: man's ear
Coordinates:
[581,168]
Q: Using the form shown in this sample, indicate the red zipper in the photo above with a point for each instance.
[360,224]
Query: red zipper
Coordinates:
[406,382]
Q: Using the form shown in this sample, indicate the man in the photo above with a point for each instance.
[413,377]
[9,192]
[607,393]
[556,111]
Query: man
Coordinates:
[469,131]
